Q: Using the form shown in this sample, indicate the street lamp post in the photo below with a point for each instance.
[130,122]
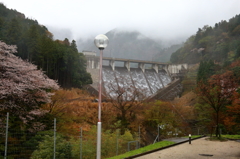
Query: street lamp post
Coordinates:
[101,42]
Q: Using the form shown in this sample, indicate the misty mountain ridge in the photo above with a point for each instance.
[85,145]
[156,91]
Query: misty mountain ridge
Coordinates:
[130,44]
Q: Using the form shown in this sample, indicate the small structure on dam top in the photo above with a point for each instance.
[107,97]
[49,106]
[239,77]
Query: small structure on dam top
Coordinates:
[157,80]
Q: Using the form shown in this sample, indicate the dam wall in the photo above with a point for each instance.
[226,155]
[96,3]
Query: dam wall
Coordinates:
[150,78]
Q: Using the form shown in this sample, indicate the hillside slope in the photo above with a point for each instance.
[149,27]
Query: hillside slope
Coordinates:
[220,43]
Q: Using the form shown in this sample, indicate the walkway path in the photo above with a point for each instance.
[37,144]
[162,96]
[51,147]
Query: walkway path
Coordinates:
[199,149]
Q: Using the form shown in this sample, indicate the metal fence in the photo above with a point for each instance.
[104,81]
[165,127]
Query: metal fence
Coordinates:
[24,144]
[15,143]
[21,143]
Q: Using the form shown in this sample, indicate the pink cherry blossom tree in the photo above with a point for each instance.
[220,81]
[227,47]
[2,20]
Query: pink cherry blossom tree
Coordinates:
[23,88]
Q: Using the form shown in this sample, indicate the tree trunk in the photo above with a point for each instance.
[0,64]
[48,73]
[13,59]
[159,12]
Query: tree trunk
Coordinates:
[217,124]
[123,122]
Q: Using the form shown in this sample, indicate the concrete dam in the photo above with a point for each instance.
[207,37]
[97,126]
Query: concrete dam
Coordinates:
[156,80]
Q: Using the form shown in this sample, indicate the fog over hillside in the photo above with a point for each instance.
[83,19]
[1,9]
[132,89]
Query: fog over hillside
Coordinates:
[131,44]
[60,33]
[162,19]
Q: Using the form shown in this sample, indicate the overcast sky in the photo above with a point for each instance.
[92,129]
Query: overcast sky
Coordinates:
[154,18]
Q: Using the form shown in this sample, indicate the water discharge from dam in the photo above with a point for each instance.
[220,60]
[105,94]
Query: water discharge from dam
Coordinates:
[149,81]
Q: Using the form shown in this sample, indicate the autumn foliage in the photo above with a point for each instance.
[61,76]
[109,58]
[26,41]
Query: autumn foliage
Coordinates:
[75,108]
[233,114]
[217,93]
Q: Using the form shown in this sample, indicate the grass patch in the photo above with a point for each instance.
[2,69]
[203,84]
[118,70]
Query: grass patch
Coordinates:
[144,149]
[214,138]
[193,136]
[234,137]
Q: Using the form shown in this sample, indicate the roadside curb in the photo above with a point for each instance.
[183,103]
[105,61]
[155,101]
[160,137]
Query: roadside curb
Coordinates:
[162,148]
[237,140]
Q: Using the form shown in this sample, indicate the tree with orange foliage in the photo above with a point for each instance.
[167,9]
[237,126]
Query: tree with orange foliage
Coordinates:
[163,114]
[126,100]
[72,108]
[75,108]
[233,119]
[217,93]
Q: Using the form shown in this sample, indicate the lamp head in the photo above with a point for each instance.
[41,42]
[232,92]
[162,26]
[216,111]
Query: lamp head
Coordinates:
[101,41]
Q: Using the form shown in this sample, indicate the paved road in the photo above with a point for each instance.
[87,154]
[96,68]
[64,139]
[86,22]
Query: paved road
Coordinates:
[199,149]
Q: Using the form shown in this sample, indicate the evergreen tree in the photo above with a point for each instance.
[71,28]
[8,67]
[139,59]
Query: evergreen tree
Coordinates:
[206,70]
[59,59]
[32,42]
[237,55]
[1,27]
[46,51]
[13,33]
[198,36]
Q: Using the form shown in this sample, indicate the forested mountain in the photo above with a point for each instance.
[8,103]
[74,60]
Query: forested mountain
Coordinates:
[220,43]
[165,54]
[60,60]
[130,44]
